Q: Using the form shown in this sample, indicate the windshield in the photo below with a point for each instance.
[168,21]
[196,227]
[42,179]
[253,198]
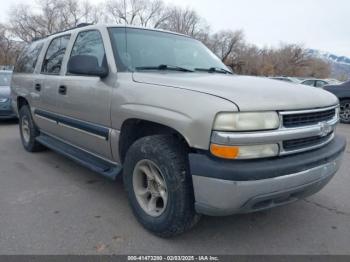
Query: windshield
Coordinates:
[5,79]
[146,48]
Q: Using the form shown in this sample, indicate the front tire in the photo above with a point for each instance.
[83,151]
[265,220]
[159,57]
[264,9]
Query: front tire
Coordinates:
[345,111]
[159,185]
[28,131]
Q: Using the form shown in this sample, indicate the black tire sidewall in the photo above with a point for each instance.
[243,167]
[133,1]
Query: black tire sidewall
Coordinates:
[180,205]
[341,120]
[140,212]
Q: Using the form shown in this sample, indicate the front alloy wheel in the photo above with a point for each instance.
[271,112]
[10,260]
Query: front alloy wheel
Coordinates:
[150,188]
[159,185]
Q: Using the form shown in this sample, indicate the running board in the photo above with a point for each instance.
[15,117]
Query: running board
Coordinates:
[85,159]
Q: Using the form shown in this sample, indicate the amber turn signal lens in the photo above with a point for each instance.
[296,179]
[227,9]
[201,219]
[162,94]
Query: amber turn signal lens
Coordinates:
[228,152]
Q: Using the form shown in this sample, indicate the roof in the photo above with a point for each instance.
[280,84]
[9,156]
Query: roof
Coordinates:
[99,26]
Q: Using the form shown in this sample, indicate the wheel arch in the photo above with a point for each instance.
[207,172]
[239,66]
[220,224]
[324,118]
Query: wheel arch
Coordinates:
[135,128]
[21,101]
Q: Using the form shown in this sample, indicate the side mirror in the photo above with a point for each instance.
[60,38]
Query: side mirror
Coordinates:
[86,65]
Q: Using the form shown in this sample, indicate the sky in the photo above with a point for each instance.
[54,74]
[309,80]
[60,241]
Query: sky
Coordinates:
[317,24]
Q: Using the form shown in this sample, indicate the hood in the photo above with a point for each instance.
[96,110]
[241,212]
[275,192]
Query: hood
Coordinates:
[5,91]
[248,93]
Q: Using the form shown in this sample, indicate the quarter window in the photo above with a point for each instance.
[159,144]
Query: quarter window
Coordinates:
[27,61]
[90,43]
[54,55]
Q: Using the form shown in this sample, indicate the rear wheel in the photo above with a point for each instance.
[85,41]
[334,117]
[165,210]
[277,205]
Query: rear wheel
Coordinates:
[159,185]
[28,131]
[345,111]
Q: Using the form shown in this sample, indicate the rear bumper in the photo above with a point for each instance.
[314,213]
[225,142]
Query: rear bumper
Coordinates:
[229,187]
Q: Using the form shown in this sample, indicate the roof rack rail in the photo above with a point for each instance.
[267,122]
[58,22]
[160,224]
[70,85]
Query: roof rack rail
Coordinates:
[77,26]
[83,25]
[36,38]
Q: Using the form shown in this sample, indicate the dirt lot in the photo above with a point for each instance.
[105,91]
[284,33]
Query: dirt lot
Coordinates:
[50,205]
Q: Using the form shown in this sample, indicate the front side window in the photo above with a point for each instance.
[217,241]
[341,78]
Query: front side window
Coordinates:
[54,56]
[90,43]
[137,48]
[27,61]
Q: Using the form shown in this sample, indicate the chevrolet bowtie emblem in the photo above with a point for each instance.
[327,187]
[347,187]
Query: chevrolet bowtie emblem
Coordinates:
[325,128]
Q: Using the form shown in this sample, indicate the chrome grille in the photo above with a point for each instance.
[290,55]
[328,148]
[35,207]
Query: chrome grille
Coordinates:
[306,119]
[296,144]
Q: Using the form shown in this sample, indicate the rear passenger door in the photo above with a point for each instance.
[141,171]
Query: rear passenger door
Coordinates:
[84,101]
[25,77]
[47,85]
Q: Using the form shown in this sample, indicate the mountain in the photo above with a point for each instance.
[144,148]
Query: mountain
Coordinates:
[340,64]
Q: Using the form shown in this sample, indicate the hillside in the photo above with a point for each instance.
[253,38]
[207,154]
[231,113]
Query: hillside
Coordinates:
[340,64]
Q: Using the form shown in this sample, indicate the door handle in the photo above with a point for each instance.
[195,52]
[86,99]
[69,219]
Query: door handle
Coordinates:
[38,87]
[62,90]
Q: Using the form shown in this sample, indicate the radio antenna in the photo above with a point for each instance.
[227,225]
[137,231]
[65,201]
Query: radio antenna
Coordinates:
[125,21]
[125,35]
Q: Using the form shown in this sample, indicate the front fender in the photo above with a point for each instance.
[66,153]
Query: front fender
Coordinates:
[188,112]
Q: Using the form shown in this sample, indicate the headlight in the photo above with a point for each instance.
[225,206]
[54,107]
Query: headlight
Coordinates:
[244,152]
[4,99]
[246,121]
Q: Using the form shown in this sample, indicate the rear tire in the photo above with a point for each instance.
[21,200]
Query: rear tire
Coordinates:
[29,131]
[163,200]
[345,111]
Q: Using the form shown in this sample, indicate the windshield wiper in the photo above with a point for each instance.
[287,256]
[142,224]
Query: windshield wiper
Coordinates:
[164,67]
[214,70]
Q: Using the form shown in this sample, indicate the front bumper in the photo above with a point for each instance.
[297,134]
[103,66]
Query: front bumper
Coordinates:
[224,187]
[6,111]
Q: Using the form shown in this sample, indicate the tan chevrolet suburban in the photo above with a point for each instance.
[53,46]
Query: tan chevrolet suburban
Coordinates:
[189,137]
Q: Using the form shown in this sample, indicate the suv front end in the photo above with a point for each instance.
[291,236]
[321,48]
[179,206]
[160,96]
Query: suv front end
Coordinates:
[266,159]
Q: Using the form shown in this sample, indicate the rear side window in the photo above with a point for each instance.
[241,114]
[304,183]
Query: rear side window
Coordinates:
[309,82]
[54,55]
[90,43]
[27,61]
